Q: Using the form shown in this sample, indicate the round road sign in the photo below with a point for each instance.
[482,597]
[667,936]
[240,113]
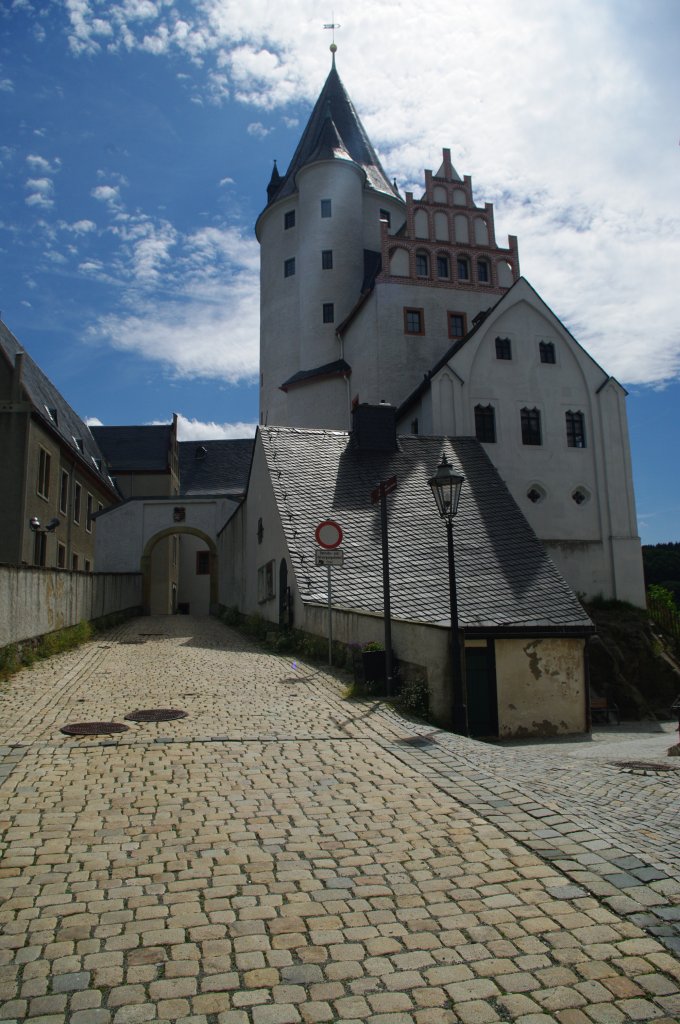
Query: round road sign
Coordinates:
[328,534]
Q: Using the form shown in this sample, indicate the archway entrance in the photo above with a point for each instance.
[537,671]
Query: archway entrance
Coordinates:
[165,588]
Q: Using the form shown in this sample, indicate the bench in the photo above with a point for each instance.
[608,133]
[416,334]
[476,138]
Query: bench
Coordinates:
[601,709]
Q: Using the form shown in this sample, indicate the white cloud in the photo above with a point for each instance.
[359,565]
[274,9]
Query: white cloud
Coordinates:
[109,194]
[257,129]
[226,181]
[93,421]
[6,85]
[40,192]
[195,430]
[79,227]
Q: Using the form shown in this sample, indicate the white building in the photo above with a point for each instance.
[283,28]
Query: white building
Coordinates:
[368,297]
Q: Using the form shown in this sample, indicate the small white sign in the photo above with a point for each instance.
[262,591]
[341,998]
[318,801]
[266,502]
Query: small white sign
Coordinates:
[335,557]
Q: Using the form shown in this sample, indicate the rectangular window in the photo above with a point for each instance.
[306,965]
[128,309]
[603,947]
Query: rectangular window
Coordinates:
[576,434]
[77,498]
[463,268]
[88,565]
[386,216]
[503,348]
[485,423]
[547,350]
[457,325]
[328,313]
[483,275]
[289,219]
[289,267]
[414,321]
[43,486]
[90,509]
[422,265]
[202,563]
[75,564]
[265,582]
[326,208]
[531,426]
[443,266]
[61,556]
[63,492]
[327,259]
[39,548]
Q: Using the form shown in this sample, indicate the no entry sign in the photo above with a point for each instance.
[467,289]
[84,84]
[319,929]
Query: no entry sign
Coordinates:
[328,534]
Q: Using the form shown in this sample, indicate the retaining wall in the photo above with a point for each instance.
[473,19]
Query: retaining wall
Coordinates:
[36,601]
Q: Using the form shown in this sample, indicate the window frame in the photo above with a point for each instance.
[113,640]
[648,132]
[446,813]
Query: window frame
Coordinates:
[89,510]
[503,349]
[530,422]
[40,549]
[463,262]
[266,588]
[418,311]
[63,491]
[75,562]
[387,217]
[326,209]
[484,264]
[450,314]
[547,348]
[61,555]
[326,259]
[289,267]
[575,423]
[203,562]
[288,220]
[77,502]
[485,423]
[42,487]
[443,260]
[328,313]
[422,260]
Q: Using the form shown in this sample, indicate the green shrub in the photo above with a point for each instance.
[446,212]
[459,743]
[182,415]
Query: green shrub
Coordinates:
[662,595]
[414,698]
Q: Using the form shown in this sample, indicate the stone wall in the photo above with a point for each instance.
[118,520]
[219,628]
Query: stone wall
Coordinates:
[35,601]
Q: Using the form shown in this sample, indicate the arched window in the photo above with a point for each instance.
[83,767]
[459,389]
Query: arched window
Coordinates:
[462,229]
[481,231]
[504,274]
[463,268]
[439,194]
[399,263]
[443,266]
[422,264]
[441,226]
[420,224]
[459,197]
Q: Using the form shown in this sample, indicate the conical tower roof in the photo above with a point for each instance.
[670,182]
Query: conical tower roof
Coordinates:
[334,131]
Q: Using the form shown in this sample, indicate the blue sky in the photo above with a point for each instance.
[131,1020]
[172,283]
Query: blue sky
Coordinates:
[138,138]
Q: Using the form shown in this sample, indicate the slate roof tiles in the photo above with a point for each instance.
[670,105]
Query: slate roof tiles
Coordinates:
[506,581]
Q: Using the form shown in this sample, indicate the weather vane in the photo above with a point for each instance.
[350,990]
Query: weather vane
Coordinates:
[332,25]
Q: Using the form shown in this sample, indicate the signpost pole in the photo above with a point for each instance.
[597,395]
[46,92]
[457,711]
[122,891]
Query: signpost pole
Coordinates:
[387,614]
[330,619]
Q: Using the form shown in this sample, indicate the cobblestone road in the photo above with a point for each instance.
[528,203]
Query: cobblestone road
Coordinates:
[283,855]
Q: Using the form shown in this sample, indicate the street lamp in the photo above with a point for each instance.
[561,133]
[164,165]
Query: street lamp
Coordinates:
[446,487]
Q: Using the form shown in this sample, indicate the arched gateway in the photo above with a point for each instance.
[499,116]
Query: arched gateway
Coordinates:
[146,561]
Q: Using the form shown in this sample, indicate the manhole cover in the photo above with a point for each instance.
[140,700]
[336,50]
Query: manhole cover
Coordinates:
[92,728]
[155,715]
[643,767]
[417,741]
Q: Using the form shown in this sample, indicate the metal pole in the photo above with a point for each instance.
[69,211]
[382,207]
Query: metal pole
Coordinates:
[460,717]
[330,619]
[387,611]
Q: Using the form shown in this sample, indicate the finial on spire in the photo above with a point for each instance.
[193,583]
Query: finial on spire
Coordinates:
[332,25]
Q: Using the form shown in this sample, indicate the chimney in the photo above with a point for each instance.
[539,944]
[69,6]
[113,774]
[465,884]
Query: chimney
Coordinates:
[374,427]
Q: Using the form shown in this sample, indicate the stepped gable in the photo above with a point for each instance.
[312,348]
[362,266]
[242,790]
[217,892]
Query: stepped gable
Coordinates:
[334,131]
[52,409]
[507,584]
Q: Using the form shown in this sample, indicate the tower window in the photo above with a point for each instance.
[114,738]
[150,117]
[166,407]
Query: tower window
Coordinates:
[422,265]
[576,435]
[443,267]
[289,267]
[328,313]
[414,321]
[547,351]
[485,423]
[386,216]
[289,219]
[503,348]
[456,325]
[327,259]
[531,426]
[326,208]
[463,265]
[483,272]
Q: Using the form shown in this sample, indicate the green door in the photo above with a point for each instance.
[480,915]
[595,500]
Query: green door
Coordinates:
[482,701]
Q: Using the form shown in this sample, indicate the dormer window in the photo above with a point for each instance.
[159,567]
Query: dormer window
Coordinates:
[78,441]
[53,414]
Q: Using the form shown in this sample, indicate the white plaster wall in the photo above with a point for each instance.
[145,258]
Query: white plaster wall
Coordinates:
[193,589]
[38,601]
[541,686]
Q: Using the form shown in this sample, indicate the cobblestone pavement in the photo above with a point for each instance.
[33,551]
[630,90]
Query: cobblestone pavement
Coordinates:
[283,855]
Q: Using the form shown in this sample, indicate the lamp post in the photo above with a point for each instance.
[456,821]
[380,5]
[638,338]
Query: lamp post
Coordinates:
[446,486]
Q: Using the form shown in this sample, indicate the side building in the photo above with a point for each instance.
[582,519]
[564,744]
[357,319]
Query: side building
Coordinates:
[55,477]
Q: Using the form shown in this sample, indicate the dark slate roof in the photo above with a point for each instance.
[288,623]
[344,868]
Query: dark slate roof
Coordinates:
[506,581]
[338,368]
[136,449]
[334,131]
[54,411]
[215,467]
